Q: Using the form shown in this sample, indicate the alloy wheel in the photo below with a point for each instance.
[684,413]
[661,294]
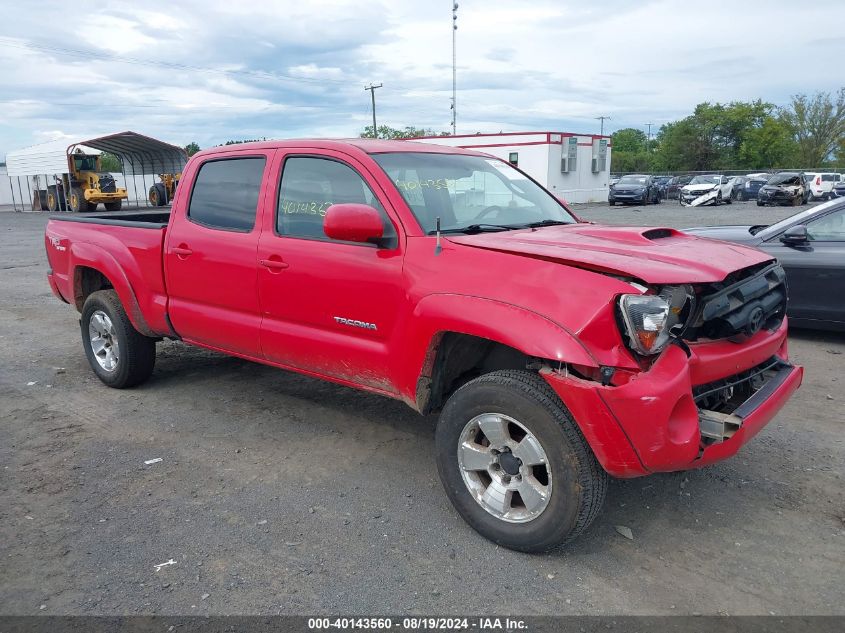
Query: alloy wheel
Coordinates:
[504,467]
[103,339]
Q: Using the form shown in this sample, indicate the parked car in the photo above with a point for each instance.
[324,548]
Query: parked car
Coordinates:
[634,189]
[613,180]
[449,280]
[786,187]
[750,187]
[713,189]
[820,185]
[839,189]
[662,183]
[811,248]
[673,187]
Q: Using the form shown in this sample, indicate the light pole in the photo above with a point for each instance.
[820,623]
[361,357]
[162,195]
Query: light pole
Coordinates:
[648,137]
[454,69]
[602,118]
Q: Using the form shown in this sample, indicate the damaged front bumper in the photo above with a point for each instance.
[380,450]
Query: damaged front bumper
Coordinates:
[657,422]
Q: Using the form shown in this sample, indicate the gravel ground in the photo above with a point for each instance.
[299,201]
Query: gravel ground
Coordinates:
[281,494]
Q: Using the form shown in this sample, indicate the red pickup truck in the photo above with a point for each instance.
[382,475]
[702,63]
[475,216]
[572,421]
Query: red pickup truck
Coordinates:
[556,351]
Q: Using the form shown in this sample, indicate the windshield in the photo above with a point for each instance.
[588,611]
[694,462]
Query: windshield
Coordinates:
[798,218]
[705,180]
[632,180]
[784,179]
[85,163]
[467,190]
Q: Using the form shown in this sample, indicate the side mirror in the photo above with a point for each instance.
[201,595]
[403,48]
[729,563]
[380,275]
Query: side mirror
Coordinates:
[352,222]
[795,235]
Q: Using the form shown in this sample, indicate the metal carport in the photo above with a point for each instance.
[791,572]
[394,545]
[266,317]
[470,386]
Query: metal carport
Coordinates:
[139,155]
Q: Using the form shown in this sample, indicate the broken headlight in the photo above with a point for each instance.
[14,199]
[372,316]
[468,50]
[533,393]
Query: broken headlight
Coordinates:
[651,320]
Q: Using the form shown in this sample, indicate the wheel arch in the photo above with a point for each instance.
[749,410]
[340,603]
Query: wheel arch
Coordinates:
[95,269]
[462,337]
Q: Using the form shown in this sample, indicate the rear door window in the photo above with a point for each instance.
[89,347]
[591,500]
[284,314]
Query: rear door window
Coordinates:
[225,194]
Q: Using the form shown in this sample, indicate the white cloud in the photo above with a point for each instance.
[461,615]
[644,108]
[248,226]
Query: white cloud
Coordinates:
[215,70]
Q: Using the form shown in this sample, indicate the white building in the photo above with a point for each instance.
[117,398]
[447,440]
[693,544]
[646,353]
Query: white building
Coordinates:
[574,166]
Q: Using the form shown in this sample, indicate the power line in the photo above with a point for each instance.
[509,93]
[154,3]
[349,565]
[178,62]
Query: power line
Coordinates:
[602,119]
[260,74]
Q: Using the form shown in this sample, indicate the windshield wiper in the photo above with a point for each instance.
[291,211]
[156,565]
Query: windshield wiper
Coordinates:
[536,225]
[478,228]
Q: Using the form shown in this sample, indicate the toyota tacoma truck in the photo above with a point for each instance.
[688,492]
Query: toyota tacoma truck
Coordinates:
[557,352]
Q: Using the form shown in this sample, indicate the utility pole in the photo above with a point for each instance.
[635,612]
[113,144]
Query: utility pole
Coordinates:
[602,119]
[648,137]
[372,89]
[454,69]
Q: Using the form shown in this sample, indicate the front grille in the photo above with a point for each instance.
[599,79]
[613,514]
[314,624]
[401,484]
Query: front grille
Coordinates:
[107,184]
[726,394]
[746,302]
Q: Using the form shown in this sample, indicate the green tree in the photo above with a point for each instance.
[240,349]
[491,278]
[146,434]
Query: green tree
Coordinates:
[769,146]
[628,139]
[817,124]
[192,148]
[109,162]
[387,132]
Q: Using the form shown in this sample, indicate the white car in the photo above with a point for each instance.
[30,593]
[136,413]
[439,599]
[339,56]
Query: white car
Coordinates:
[712,189]
[821,184]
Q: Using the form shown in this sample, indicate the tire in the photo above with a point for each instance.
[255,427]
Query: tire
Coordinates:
[611,203]
[718,199]
[760,204]
[577,482]
[113,206]
[126,357]
[54,198]
[158,195]
[729,200]
[78,203]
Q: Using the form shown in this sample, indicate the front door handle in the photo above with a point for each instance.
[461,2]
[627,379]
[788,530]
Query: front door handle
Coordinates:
[274,264]
[182,251]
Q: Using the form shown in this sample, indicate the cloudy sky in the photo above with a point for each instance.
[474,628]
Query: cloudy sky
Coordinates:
[215,70]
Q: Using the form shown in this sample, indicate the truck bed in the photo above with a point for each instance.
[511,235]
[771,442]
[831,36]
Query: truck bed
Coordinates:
[138,219]
[123,250]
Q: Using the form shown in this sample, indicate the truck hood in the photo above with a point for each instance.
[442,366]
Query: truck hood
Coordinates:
[653,255]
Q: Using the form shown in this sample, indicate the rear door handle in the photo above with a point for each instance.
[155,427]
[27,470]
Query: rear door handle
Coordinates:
[182,251]
[275,265]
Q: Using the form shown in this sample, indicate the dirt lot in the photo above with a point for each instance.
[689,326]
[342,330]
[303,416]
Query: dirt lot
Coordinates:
[281,494]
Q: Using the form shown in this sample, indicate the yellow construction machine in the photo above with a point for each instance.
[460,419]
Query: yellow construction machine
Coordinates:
[162,192]
[89,186]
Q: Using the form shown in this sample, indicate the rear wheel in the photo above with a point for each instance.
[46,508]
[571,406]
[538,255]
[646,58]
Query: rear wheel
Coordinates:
[514,463]
[54,198]
[158,195]
[119,355]
[113,206]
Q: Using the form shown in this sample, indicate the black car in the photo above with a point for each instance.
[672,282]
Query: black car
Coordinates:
[673,187]
[749,188]
[634,189]
[787,187]
[662,183]
[811,248]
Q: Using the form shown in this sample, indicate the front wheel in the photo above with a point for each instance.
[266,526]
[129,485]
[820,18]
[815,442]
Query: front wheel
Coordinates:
[514,463]
[113,206]
[119,354]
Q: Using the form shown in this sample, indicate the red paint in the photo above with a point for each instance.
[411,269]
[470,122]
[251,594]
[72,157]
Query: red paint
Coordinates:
[371,317]
[352,223]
